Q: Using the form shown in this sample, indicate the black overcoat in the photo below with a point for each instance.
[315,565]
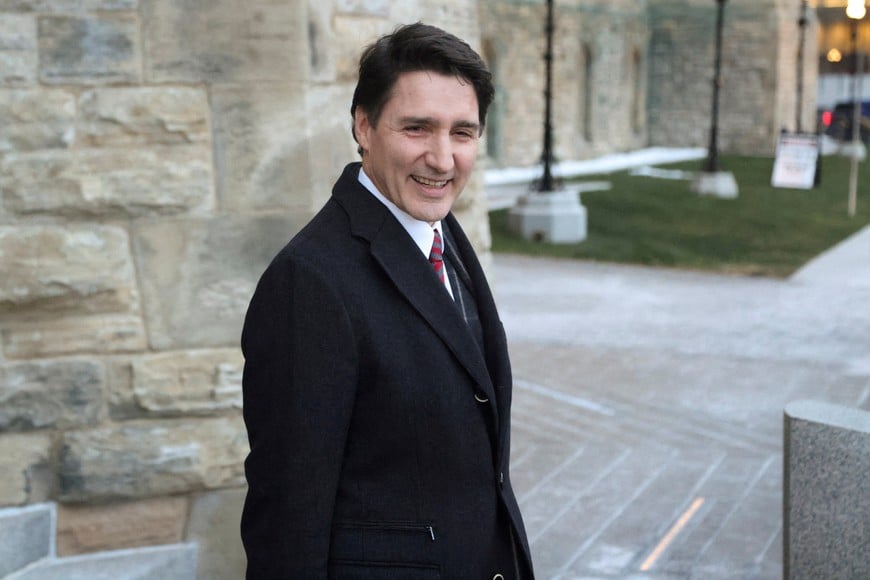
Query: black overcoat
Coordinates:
[379,431]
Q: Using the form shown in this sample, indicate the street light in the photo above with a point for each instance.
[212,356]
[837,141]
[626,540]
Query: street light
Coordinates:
[855,10]
[712,165]
[547,183]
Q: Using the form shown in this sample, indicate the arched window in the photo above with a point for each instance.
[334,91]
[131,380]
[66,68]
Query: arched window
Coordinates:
[587,82]
[637,93]
[494,115]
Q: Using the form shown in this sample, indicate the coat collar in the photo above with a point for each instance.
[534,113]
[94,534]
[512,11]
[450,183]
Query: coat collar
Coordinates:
[395,252]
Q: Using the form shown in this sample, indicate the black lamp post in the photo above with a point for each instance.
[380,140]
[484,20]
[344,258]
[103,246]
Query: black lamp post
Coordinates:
[712,164]
[802,28]
[547,183]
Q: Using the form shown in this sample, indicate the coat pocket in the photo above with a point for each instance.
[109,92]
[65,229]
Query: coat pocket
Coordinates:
[381,549]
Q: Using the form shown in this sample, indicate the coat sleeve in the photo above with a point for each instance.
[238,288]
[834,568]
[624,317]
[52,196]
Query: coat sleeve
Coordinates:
[298,390]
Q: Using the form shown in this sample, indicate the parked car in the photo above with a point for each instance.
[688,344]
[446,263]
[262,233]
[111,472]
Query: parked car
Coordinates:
[837,122]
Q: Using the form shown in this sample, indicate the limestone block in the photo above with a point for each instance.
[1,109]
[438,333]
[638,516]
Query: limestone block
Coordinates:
[188,382]
[35,119]
[61,6]
[57,394]
[18,52]
[351,33]
[262,148]
[82,529]
[198,275]
[23,5]
[143,115]
[25,468]
[142,459]
[71,269]
[89,50]
[214,526]
[114,182]
[368,7]
[74,335]
[225,40]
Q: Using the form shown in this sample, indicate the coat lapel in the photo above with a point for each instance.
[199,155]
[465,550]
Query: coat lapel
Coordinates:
[407,268]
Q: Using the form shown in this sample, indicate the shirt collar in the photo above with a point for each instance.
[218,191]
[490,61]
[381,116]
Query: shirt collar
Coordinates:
[421,232]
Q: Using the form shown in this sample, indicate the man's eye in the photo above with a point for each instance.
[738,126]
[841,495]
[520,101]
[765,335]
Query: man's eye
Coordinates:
[414,128]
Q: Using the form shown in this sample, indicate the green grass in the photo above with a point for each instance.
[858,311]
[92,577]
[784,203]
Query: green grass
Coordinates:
[766,231]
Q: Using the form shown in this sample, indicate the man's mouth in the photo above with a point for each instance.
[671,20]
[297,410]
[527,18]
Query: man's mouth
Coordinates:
[430,182]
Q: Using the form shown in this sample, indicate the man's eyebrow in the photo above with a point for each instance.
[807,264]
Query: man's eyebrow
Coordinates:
[430,121]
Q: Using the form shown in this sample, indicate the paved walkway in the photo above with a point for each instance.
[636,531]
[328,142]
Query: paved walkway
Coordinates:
[648,406]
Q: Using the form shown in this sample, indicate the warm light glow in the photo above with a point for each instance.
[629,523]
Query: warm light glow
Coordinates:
[834,55]
[855,9]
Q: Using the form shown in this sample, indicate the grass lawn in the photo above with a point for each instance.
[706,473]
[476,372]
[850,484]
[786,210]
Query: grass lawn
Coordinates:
[766,231]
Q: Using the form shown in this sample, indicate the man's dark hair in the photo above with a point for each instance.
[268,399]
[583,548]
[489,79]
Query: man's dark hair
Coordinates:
[412,48]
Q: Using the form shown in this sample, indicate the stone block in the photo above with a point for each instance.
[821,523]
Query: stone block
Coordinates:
[177,561]
[36,119]
[151,458]
[89,50]
[826,500]
[49,270]
[25,468]
[187,382]
[198,275]
[262,147]
[27,533]
[143,116]
[73,335]
[214,526]
[111,182]
[83,529]
[18,52]
[50,394]
[225,40]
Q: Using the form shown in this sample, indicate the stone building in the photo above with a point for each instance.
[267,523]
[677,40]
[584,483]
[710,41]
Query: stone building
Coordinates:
[635,73]
[155,154]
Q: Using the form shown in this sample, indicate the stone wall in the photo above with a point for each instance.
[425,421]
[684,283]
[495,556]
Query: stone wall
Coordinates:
[600,66]
[154,155]
[759,73]
[630,74]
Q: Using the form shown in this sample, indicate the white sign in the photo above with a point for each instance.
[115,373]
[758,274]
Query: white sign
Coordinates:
[796,157]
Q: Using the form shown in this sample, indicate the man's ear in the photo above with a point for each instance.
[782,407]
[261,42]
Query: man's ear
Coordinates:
[361,128]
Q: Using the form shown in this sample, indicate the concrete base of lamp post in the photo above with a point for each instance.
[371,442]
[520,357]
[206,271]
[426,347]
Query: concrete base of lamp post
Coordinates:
[556,217]
[717,183]
[851,150]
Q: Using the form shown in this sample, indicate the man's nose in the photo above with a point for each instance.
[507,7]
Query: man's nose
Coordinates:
[440,154]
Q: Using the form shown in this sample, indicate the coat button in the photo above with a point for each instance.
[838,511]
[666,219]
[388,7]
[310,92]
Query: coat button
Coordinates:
[501,479]
[481,398]
[498,577]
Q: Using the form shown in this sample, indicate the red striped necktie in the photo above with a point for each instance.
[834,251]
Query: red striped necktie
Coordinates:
[436,257]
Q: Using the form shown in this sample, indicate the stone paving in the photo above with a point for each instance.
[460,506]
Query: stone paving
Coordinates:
[647,430]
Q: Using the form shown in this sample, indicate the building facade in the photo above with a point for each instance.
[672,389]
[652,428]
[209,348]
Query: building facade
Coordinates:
[630,74]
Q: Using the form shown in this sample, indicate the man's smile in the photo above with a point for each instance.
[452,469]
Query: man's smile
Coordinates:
[430,182]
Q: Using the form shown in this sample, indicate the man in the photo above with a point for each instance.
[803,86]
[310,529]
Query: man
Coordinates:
[377,385]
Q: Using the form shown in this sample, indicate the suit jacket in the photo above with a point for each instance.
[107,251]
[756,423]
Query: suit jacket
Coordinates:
[379,430]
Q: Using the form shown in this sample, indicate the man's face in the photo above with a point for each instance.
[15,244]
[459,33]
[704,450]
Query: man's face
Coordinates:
[423,149]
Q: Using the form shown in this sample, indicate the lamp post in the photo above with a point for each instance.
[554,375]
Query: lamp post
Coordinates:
[855,10]
[712,165]
[548,212]
[802,27]
[547,183]
[710,180]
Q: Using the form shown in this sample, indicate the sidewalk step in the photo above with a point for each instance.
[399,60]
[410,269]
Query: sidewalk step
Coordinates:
[176,561]
[26,534]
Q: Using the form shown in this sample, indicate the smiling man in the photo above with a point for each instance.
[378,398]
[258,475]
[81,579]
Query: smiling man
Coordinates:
[377,385]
